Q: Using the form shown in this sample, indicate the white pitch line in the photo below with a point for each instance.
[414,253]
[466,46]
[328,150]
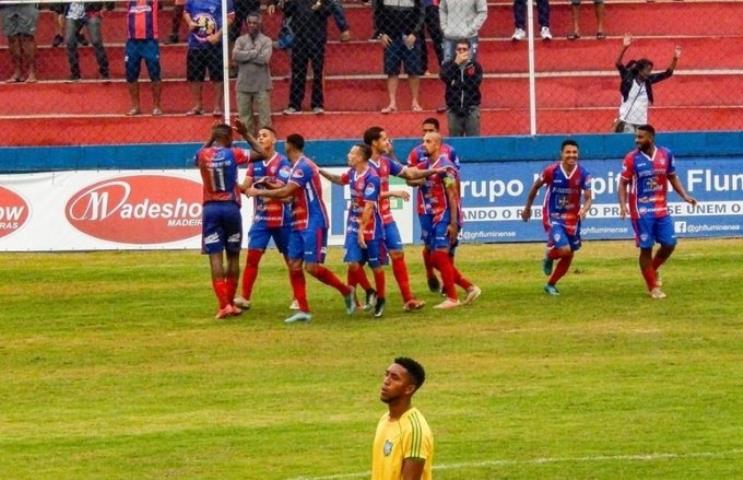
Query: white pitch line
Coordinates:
[540,461]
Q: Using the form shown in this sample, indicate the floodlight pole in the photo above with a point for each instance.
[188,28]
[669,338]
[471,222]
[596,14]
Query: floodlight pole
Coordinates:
[532,73]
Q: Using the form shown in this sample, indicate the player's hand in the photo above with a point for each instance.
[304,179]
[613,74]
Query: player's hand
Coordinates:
[677,52]
[402,194]
[346,36]
[622,212]
[627,40]
[386,40]
[252,192]
[462,58]
[362,240]
[271,9]
[582,214]
[240,127]
[526,214]
[452,232]
[691,200]
[214,38]
[409,41]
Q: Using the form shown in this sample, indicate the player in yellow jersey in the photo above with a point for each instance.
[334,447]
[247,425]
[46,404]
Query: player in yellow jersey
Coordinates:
[403,444]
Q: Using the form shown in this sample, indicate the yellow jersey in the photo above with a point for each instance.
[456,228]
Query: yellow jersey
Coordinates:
[396,440]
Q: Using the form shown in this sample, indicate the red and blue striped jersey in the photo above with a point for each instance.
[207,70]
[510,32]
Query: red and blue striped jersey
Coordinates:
[218,166]
[648,180]
[384,167]
[562,199]
[435,198]
[417,155]
[308,207]
[365,187]
[271,212]
[142,19]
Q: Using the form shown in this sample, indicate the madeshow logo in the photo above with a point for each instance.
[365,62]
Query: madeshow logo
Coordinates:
[140,209]
[13,211]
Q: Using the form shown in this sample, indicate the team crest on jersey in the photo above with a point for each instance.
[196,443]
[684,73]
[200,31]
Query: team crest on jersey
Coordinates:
[556,237]
[369,189]
[298,173]
[643,236]
[284,172]
[387,448]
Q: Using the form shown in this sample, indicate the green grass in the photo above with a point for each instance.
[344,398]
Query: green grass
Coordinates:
[111,367]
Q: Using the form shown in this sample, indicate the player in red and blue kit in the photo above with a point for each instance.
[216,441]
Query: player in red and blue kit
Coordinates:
[567,182]
[417,155]
[309,237]
[271,218]
[364,231]
[384,166]
[647,171]
[221,220]
[442,202]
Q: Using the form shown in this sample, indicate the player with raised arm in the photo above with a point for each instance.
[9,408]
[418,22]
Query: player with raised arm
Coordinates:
[647,170]
[221,221]
[271,217]
[416,155]
[309,237]
[442,201]
[567,182]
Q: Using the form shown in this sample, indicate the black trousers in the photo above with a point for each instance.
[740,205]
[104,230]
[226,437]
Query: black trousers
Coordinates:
[432,25]
[304,52]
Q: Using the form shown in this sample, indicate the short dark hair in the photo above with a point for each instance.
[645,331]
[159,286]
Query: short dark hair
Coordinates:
[568,141]
[270,129]
[296,140]
[366,152]
[647,128]
[222,129]
[372,134]
[463,41]
[414,369]
[432,121]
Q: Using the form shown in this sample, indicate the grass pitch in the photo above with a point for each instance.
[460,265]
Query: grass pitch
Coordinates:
[113,368]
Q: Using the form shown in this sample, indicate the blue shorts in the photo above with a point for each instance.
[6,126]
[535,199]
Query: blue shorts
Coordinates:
[221,228]
[259,236]
[392,238]
[426,221]
[557,237]
[649,230]
[438,240]
[310,244]
[135,52]
[375,253]
[398,54]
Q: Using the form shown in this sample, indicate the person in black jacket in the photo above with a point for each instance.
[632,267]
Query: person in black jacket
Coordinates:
[462,77]
[636,87]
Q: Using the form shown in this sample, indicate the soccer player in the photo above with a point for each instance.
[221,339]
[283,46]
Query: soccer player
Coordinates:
[441,197]
[416,155]
[221,221]
[403,443]
[384,165]
[562,212]
[364,231]
[648,170]
[271,217]
[308,241]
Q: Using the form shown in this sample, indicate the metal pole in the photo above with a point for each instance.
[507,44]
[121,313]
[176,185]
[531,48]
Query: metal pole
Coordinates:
[225,63]
[532,74]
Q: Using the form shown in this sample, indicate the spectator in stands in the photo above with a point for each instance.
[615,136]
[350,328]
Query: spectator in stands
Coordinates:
[462,77]
[309,21]
[252,53]
[175,20]
[398,22]
[204,20]
[432,25]
[462,19]
[84,14]
[19,25]
[575,12]
[519,19]
[142,44]
[636,88]
[243,8]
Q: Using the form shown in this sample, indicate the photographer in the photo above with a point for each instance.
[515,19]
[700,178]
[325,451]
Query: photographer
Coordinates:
[636,88]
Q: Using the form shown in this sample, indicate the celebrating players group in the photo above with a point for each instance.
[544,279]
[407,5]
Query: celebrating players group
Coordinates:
[289,208]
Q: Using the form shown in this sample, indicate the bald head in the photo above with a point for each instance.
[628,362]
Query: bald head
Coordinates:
[432,143]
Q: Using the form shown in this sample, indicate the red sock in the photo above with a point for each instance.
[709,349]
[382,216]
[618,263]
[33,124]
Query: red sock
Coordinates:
[561,269]
[460,280]
[220,290]
[657,262]
[299,286]
[351,277]
[328,278]
[650,278]
[428,263]
[231,288]
[379,282]
[442,261]
[400,270]
[251,272]
[361,279]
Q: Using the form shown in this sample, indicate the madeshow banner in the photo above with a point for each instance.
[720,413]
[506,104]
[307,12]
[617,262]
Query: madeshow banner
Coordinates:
[148,209]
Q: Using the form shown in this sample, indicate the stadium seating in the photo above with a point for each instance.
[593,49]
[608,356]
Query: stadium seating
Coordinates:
[576,84]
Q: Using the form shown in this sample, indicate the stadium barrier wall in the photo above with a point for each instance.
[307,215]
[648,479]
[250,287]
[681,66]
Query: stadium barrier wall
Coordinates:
[158,203]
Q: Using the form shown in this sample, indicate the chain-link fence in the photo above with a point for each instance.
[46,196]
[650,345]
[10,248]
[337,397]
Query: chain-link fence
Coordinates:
[329,69]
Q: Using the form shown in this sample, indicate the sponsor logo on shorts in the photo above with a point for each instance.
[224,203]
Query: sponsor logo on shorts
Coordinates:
[213,238]
[138,209]
[13,211]
[234,238]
